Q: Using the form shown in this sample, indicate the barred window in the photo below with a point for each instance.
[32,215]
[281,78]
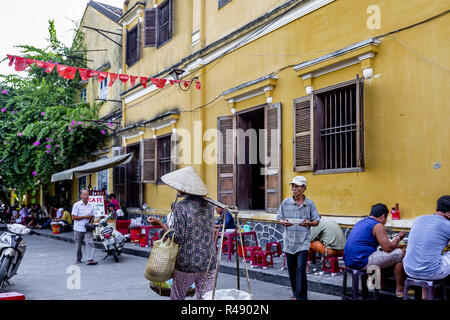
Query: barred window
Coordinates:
[164,156]
[328,129]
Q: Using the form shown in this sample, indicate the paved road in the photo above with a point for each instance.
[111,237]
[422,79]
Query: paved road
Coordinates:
[48,272]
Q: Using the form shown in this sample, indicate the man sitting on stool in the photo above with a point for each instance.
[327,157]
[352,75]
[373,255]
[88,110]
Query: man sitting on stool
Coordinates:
[360,251]
[327,238]
[428,237]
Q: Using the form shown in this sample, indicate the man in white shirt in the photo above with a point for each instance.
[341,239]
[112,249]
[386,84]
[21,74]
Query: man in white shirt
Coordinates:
[82,213]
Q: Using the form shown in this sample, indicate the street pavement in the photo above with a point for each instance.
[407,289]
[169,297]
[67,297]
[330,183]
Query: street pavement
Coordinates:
[49,272]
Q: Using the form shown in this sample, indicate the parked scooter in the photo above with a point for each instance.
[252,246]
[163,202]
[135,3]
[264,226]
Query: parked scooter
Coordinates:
[113,240]
[12,249]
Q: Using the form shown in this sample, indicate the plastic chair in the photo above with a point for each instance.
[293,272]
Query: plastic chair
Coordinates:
[277,251]
[356,276]
[429,285]
[260,259]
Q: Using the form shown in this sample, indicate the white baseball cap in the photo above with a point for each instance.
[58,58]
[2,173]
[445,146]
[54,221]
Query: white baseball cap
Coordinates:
[299,180]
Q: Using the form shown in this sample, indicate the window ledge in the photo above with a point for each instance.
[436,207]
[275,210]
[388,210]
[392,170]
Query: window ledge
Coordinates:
[333,171]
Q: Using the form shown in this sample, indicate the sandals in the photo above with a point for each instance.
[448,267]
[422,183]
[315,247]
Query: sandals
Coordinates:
[91,262]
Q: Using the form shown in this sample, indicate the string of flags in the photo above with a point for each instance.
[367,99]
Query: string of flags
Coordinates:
[69,72]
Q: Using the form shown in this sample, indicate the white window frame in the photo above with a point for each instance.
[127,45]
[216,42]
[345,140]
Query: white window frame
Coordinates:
[104,89]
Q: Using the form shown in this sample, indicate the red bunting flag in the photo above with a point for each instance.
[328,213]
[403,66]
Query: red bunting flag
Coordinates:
[123,78]
[29,61]
[50,67]
[83,74]
[11,59]
[161,83]
[40,64]
[92,73]
[20,64]
[61,69]
[112,78]
[70,73]
[102,76]
[144,81]
[133,80]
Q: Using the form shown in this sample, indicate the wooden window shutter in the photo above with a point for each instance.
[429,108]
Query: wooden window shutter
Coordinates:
[148,172]
[272,172]
[303,134]
[359,122]
[226,164]
[150,36]
[127,49]
[138,42]
[171,19]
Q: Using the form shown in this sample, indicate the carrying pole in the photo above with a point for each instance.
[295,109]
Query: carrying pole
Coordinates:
[233,210]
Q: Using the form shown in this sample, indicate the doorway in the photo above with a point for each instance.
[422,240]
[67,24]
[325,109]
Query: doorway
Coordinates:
[250,180]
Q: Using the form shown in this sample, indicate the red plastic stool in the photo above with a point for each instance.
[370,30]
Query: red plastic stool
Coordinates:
[225,247]
[241,250]
[250,253]
[331,264]
[260,259]
[278,251]
[12,296]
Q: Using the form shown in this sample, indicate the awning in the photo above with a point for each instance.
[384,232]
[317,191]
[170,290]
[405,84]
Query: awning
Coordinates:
[91,167]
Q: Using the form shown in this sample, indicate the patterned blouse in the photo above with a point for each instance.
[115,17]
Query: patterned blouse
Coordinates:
[194,224]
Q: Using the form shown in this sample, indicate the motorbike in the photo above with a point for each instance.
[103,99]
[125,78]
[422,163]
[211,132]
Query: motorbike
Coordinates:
[12,250]
[113,240]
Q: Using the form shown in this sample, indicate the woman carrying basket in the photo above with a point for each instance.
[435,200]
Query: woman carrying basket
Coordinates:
[193,227]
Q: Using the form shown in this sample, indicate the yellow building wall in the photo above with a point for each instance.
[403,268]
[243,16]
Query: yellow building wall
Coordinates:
[405,109]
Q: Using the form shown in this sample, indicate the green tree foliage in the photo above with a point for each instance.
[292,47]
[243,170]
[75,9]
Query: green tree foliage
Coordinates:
[43,127]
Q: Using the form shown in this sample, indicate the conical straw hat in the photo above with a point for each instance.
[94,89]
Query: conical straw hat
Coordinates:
[186,180]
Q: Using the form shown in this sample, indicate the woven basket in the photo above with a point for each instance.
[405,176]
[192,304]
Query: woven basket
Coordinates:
[161,263]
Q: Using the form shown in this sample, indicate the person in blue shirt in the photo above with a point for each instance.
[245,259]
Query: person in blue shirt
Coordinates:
[229,221]
[360,251]
[428,237]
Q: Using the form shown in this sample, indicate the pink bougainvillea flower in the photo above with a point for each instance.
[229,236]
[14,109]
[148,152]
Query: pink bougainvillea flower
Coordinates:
[5,92]
[56,146]
[3,109]
[103,132]
[42,113]
[19,134]
[48,151]
[48,146]
[110,125]
[72,123]
[37,143]
[34,173]
[13,112]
